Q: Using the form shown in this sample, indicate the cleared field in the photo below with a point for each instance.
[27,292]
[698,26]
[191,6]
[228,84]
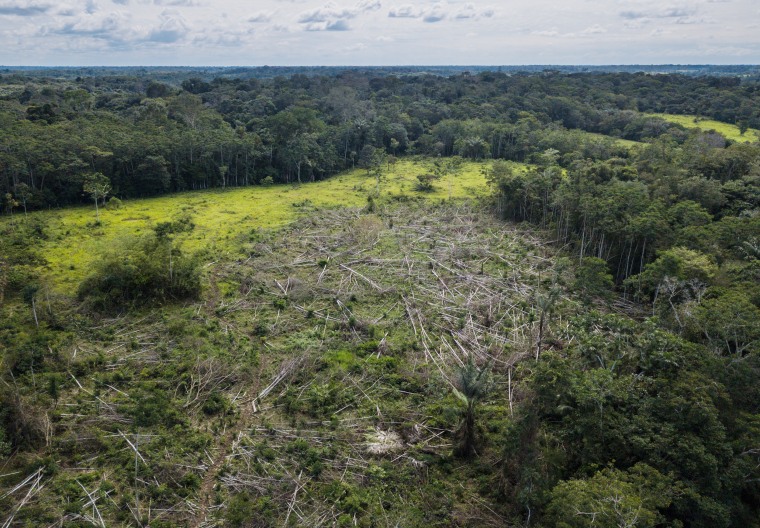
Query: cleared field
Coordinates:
[729,131]
[223,216]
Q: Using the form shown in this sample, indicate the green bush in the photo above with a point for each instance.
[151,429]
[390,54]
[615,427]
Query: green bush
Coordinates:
[216,403]
[153,407]
[243,510]
[151,269]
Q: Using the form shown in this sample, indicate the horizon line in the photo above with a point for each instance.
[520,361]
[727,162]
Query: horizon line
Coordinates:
[3,66]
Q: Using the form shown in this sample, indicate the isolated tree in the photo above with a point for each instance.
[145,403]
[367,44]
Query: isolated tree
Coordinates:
[98,186]
[24,193]
[10,203]
[394,144]
[448,168]
[373,159]
[473,384]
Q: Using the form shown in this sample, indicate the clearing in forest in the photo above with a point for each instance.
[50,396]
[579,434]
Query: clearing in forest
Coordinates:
[727,130]
[224,216]
[313,383]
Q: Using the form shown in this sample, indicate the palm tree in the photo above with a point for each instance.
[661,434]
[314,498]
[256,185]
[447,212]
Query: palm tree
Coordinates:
[473,385]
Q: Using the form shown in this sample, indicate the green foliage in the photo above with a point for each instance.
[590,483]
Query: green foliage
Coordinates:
[153,407]
[473,384]
[612,498]
[678,263]
[98,186]
[625,394]
[22,425]
[593,279]
[244,510]
[425,182]
[114,204]
[215,404]
[182,224]
[613,419]
[150,269]
[729,321]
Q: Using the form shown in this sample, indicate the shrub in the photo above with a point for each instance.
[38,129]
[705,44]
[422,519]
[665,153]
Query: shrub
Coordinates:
[151,269]
[425,182]
[215,404]
[153,407]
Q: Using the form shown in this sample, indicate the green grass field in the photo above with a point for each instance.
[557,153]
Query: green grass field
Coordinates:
[727,130]
[222,216]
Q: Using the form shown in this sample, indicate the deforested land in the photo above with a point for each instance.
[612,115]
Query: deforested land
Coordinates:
[380,297]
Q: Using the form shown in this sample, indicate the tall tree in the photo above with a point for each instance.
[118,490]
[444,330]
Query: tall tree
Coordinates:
[98,186]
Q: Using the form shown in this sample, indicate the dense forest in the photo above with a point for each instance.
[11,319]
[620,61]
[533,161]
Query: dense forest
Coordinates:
[150,138]
[576,345]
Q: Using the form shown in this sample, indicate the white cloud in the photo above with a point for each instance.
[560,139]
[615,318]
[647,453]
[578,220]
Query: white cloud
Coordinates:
[260,17]
[467,11]
[404,31]
[331,17]
[596,29]
[24,9]
[105,26]
[546,33]
[436,13]
[667,12]
[355,47]
[172,28]
[177,3]
[404,11]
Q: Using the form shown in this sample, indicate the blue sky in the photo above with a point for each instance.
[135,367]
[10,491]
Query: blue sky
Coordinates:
[378,32]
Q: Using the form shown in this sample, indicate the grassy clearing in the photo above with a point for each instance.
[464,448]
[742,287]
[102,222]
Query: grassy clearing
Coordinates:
[727,130]
[223,216]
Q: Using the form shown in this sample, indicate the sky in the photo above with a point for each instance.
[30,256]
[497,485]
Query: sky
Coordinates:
[377,32]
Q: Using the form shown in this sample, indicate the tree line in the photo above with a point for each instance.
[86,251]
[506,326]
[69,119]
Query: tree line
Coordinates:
[151,138]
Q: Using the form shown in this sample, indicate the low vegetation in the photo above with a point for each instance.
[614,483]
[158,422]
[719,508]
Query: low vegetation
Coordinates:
[535,324]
